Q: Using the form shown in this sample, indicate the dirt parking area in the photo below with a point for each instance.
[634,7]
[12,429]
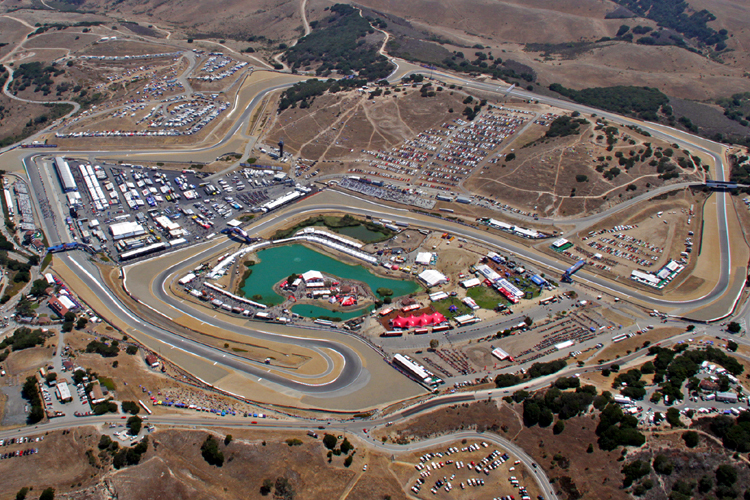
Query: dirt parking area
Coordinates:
[13,406]
[645,237]
[61,462]
[456,463]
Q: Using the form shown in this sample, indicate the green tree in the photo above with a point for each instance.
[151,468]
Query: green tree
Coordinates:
[662,465]
[635,470]
[104,442]
[434,343]
[132,350]
[36,414]
[705,484]
[134,425]
[329,441]
[558,427]
[47,494]
[673,417]
[732,346]
[507,380]
[38,288]
[21,495]
[734,327]
[546,417]
[130,407]
[346,446]
[348,461]
[691,439]
[81,323]
[227,439]
[726,475]
[266,487]
[284,490]
[211,453]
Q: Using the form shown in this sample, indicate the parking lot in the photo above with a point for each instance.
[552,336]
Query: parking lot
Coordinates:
[128,211]
[474,470]
[440,158]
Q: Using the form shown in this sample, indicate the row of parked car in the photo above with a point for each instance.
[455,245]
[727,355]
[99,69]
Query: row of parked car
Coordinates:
[20,440]
[19,453]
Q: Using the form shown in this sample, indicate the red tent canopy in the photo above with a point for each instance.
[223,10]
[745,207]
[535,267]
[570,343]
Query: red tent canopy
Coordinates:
[423,320]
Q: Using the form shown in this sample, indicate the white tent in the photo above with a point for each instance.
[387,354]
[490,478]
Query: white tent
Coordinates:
[432,277]
[424,258]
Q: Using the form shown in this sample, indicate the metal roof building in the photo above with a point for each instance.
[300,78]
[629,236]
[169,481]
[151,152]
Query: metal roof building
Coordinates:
[126,230]
[432,277]
[726,397]
[63,392]
[65,175]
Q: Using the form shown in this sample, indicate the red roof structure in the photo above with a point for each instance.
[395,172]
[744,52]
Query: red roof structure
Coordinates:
[418,321]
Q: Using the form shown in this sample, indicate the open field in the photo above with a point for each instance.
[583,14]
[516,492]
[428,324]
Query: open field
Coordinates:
[61,461]
[673,70]
[16,115]
[173,467]
[575,174]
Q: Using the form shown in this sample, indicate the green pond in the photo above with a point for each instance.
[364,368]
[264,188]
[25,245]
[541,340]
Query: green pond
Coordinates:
[311,311]
[360,233]
[276,263]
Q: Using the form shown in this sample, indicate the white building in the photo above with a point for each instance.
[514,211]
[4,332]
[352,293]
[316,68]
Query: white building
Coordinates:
[432,277]
[63,392]
[312,277]
[471,282]
[424,258]
[126,230]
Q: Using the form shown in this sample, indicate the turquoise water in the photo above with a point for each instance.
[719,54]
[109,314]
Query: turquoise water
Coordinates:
[276,263]
[311,311]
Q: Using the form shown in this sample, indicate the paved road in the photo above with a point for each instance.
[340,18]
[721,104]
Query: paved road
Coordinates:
[349,378]
[625,290]
[668,134]
[353,368]
[354,205]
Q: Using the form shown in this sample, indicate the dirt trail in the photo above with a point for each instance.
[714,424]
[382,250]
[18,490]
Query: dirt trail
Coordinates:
[352,482]
[351,113]
[10,54]
[303,15]
[375,130]
[324,130]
